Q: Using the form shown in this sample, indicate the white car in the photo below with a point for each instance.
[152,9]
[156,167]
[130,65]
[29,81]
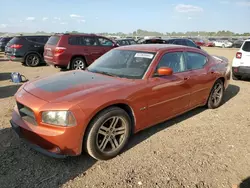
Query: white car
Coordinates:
[241,62]
[223,44]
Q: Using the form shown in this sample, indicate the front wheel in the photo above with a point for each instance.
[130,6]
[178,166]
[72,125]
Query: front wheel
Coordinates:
[108,133]
[32,60]
[216,95]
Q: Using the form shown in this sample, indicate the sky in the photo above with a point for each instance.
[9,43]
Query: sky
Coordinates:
[95,16]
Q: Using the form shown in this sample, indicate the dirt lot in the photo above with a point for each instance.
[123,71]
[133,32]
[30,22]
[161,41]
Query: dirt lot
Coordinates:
[200,149]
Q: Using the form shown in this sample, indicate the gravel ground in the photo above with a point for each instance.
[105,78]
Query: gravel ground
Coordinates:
[200,149]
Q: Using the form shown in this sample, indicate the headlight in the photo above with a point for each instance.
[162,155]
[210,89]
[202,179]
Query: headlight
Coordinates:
[62,118]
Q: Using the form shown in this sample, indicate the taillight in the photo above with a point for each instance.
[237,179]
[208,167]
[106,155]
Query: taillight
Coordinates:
[16,46]
[59,50]
[238,55]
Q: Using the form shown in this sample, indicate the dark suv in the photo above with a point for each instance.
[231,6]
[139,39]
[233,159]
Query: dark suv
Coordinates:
[176,41]
[26,49]
[3,43]
[75,51]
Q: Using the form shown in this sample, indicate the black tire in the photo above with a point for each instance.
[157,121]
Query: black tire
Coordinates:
[32,60]
[93,141]
[211,103]
[78,63]
[234,77]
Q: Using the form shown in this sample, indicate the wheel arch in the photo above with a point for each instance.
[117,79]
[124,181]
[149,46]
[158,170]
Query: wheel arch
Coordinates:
[123,105]
[78,55]
[32,52]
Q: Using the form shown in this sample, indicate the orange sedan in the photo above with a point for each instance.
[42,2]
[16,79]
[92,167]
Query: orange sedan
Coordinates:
[126,90]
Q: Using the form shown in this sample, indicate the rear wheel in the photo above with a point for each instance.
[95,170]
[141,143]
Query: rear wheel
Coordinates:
[78,63]
[108,133]
[216,95]
[32,60]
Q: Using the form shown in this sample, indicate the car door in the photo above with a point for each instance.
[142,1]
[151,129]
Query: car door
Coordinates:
[199,77]
[105,45]
[169,95]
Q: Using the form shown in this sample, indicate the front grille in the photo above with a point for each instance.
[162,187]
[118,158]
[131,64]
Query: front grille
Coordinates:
[26,113]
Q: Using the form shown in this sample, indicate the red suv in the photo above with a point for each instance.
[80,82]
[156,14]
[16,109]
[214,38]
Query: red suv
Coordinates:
[75,51]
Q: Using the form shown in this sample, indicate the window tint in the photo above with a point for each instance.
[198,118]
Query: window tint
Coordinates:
[82,41]
[195,60]
[190,43]
[246,47]
[174,60]
[105,42]
[33,39]
[53,40]
[122,42]
[180,42]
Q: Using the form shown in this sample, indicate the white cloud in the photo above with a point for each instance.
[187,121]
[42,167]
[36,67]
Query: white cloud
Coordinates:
[81,21]
[57,18]
[30,18]
[45,18]
[188,8]
[3,25]
[75,16]
[63,23]
[244,3]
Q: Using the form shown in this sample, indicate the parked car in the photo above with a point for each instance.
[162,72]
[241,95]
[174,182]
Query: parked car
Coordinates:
[209,43]
[3,43]
[26,49]
[76,51]
[128,89]
[238,43]
[126,41]
[182,41]
[223,44]
[199,42]
[241,61]
[176,41]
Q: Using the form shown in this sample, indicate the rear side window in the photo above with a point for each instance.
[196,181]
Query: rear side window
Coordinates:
[195,60]
[53,40]
[246,46]
[16,40]
[82,41]
[180,42]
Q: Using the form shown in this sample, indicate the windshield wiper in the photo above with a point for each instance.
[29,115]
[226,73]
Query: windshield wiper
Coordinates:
[106,73]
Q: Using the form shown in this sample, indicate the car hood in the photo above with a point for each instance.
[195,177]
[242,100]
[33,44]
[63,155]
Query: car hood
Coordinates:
[72,85]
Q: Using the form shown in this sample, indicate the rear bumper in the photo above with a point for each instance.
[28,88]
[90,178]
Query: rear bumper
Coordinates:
[14,58]
[56,61]
[241,70]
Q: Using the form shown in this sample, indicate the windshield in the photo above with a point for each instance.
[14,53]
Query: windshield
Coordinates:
[123,63]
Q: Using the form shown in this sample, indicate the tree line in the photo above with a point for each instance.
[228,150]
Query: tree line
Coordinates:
[141,32]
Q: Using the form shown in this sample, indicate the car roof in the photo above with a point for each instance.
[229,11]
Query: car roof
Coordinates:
[152,47]
[248,40]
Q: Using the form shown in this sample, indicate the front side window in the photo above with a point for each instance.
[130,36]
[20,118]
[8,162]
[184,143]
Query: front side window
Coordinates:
[173,60]
[191,44]
[195,60]
[179,42]
[123,63]
[105,42]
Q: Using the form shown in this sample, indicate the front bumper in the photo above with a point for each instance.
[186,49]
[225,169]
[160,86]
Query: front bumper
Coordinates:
[17,130]
[241,70]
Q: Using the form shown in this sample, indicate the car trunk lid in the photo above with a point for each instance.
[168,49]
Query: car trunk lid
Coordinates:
[245,57]
[51,46]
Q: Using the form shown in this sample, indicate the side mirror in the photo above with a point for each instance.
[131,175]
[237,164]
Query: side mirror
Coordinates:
[115,45]
[164,71]
[199,47]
